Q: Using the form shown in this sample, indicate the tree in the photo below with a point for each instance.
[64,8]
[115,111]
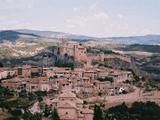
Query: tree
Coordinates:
[40,99]
[16,112]
[138,111]
[145,111]
[31,96]
[29,116]
[119,112]
[98,114]
[1,65]
[47,111]
[55,115]
[37,116]
[12,118]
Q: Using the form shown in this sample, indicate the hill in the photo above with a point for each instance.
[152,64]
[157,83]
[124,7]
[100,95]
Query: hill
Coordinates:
[12,36]
[58,35]
[144,48]
[146,39]
[20,43]
[14,44]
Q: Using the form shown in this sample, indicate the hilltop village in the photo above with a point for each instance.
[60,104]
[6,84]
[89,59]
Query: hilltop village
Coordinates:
[73,89]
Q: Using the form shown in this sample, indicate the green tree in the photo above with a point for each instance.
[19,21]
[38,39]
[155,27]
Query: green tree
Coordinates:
[40,99]
[12,118]
[98,114]
[29,116]
[119,112]
[47,111]
[16,112]
[138,111]
[55,115]
[145,111]
[37,116]
[1,65]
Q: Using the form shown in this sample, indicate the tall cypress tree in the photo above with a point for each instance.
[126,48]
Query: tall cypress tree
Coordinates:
[98,114]
[55,115]
[1,65]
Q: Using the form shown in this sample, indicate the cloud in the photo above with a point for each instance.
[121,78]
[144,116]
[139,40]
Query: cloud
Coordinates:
[15,24]
[75,9]
[76,21]
[15,4]
[94,18]
[99,24]
[70,26]
[120,16]
[101,15]
[93,6]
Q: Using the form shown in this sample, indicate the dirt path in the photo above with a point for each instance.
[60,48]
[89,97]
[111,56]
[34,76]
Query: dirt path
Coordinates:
[128,98]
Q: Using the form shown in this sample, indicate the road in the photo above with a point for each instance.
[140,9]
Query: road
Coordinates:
[137,95]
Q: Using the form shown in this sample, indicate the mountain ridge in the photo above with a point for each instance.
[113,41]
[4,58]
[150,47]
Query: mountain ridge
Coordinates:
[145,39]
[54,34]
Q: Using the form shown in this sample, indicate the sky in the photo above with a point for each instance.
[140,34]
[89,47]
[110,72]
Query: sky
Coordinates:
[99,18]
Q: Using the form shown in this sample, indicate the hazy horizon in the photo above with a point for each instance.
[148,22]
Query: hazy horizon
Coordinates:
[79,34]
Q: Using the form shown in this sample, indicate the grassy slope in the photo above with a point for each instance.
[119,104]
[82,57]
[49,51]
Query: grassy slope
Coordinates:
[144,48]
[7,51]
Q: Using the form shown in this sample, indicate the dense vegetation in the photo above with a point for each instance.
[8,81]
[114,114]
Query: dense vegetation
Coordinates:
[100,50]
[1,65]
[15,104]
[64,63]
[145,48]
[35,60]
[114,63]
[12,35]
[151,67]
[151,64]
[138,111]
[42,59]
[148,71]
[54,115]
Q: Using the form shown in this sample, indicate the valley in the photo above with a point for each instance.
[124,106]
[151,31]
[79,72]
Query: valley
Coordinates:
[45,70]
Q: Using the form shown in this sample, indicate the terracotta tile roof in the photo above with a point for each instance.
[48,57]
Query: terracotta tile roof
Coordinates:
[87,111]
[67,94]
[66,104]
[79,101]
